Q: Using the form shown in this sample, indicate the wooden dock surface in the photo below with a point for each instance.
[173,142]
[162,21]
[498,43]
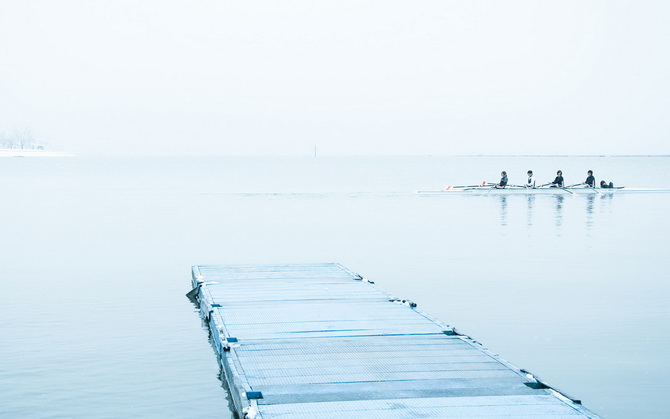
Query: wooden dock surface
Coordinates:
[319,341]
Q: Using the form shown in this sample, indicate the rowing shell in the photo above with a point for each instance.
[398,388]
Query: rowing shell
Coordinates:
[487,190]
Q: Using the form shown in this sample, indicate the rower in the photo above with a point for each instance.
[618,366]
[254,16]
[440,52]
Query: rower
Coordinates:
[590,180]
[503,180]
[530,183]
[558,182]
[606,185]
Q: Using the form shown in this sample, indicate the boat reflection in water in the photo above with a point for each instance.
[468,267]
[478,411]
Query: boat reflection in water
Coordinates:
[589,211]
[531,203]
[559,210]
[503,210]
[511,204]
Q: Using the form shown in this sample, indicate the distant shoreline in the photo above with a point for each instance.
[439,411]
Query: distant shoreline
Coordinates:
[33,153]
[4,152]
[560,155]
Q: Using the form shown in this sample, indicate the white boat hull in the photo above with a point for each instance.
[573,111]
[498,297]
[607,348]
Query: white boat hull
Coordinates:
[543,191]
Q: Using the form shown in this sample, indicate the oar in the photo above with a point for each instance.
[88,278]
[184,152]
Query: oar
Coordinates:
[479,187]
[570,192]
[463,186]
[597,193]
[585,186]
[483,184]
[486,184]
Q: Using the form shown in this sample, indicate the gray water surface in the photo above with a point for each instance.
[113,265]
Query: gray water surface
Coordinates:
[95,257]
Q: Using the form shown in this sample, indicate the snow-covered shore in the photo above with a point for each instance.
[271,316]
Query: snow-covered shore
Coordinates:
[33,153]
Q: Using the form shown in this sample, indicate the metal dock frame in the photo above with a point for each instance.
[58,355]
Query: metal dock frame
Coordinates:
[320,341]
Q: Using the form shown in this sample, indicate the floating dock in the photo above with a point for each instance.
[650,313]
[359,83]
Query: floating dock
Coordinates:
[319,341]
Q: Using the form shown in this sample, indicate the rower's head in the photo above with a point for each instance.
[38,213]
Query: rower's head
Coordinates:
[603,183]
[559,173]
[530,173]
[503,173]
[590,172]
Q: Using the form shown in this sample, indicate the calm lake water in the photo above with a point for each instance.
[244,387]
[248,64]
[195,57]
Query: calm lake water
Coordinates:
[96,253]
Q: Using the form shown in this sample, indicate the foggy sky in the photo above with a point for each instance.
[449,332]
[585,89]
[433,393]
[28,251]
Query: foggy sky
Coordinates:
[351,77]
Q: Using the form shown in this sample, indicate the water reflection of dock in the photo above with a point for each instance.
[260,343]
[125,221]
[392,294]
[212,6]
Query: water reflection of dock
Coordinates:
[318,341]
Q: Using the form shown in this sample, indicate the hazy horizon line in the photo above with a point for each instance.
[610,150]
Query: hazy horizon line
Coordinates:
[99,154]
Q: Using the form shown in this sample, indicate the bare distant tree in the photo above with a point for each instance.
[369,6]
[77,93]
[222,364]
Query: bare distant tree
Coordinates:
[7,140]
[20,138]
[24,138]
